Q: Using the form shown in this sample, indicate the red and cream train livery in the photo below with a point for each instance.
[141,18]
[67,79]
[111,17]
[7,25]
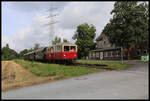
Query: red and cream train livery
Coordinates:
[60,51]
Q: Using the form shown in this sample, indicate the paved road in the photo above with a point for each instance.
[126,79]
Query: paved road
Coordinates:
[125,84]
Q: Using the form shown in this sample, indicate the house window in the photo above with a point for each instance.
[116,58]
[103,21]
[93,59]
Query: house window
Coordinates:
[91,55]
[114,53]
[97,54]
[138,52]
[107,42]
[117,53]
[105,54]
[109,54]
[144,51]
[104,43]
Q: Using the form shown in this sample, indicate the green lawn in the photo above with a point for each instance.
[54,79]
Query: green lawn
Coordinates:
[113,65]
[48,69]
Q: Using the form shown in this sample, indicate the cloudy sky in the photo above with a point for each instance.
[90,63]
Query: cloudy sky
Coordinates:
[26,23]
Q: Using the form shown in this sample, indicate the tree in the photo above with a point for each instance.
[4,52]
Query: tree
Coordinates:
[7,46]
[57,40]
[36,46]
[8,54]
[22,53]
[84,37]
[30,50]
[129,25]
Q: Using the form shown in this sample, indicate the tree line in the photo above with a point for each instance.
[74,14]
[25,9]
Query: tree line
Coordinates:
[128,27]
[9,54]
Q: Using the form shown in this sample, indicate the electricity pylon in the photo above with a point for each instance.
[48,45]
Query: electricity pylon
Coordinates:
[52,21]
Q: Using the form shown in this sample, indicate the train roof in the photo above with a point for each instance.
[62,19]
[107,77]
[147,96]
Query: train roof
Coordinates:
[29,53]
[65,44]
[39,50]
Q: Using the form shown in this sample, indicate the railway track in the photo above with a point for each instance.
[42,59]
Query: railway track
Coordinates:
[97,66]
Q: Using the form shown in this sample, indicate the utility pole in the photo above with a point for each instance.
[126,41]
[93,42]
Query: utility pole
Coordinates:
[121,54]
[52,21]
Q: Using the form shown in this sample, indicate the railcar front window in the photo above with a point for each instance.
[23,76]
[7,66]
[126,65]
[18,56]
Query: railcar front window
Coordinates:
[66,48]
[73,48]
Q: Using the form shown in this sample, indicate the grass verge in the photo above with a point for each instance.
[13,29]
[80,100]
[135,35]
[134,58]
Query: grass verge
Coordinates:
[61,71]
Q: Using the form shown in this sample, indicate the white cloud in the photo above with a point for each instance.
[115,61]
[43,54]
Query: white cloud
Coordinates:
[27,37]
[95,13]
[65,33]
[35,6]
[71,16]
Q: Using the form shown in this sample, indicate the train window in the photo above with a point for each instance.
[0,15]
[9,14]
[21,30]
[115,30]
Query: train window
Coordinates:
[51,50]
[48,50]
[58,48]
[73,48]
[66,48]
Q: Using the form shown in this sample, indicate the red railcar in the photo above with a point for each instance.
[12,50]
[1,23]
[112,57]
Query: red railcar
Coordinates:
[61,51]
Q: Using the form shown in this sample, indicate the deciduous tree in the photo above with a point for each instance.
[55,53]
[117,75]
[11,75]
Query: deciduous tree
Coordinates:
[129,25]
[8,54]
[84,37]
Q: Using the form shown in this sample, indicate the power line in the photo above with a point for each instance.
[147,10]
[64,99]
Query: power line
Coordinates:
[52,21]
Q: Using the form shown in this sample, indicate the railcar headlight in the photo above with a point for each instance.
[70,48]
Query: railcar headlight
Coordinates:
[64,54]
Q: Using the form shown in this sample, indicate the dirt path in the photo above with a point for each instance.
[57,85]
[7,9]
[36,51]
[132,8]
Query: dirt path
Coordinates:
[14,76]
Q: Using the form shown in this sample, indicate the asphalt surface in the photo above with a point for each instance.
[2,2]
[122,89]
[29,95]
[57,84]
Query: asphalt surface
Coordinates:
[131,83]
